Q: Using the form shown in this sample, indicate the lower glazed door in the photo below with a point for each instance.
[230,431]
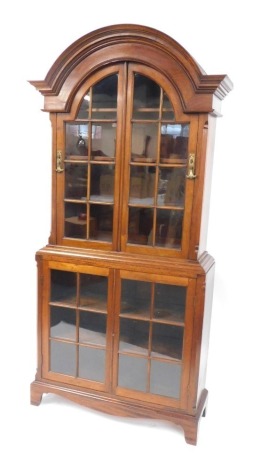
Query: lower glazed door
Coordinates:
[77,325]
[153,331]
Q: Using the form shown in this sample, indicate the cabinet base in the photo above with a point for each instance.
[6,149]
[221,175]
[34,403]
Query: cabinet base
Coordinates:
[118,407]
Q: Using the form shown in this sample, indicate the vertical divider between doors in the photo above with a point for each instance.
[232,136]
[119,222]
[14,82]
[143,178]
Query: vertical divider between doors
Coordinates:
[151,316]
[77,321]
[126,145]
[120,152]
[115,329]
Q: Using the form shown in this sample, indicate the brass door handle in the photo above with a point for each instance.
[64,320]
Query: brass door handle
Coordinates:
[59,162]
[191,167]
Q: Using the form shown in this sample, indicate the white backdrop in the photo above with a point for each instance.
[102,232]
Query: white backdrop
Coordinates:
[59,434]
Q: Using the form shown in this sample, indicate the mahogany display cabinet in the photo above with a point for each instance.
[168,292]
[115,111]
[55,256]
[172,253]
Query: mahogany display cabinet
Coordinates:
[125,282]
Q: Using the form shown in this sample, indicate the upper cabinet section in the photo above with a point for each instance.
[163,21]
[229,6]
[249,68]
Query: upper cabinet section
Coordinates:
[131,113]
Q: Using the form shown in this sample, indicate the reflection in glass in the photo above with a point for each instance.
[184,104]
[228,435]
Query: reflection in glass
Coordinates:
[92,328]
[144,142]
[93,292]
[84,108]
[169,228]
[174,142]
[63,287]
[133,372]
[167,341]
[134,336]
[169,302]
[104,98]
[171,186]
[146,98]
[91,364]
[63,358]
[102,218]
[136,298]
[140,224]
[75,181]
[142,185]
[63,323]
[103,141]
[102,183]
[76,221]
[76,147]
[165,379]
[167,109]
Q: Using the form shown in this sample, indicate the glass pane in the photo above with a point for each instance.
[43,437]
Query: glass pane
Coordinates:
[102,219]
[171,187]
[167,111]
[142,185]
[104,98]
[136,298]
[63,358]
[169,228]
[133,372]
[144,142]
[167,341]
[77,141]
[92,364]
[76,220]
[134,336]
[75,181]
[102,183]
[93,292]
[165,379]
[169,302]
[140,225]
[92,328]
[146,98]
[84,108]
[63,323]
[103,141]
[174,142]
[63,287]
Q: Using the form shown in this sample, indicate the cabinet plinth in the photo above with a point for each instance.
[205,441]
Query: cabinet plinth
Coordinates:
[125,283]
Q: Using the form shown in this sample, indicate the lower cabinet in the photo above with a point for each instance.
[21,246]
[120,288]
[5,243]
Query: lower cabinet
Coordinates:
[121,340]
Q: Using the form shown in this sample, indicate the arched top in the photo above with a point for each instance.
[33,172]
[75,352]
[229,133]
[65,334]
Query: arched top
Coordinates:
[198,92]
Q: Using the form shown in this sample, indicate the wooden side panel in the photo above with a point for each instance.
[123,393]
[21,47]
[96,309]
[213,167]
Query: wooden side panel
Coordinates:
[201,330]
[205,330]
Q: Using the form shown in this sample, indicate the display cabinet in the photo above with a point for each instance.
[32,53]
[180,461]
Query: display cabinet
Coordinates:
[125,282]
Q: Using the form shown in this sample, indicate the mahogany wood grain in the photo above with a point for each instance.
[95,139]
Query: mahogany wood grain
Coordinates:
[124,407]
[125,50]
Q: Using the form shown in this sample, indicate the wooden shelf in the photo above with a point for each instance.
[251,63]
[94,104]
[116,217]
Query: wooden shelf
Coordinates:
[167,318]
[93,304]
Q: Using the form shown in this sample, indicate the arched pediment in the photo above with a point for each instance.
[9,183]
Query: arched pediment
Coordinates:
[198,92]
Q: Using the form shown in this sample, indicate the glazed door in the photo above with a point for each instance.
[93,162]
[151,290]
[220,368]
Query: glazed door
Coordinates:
[159,140]
[122,182]
[76,325]
[153,331]
[88,187]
